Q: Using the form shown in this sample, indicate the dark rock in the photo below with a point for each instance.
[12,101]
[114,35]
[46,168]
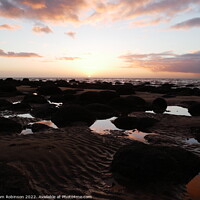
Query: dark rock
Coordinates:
[136,103]
[129,123]
[36,127]
[125,89]
[71,114]
[141,164]
[106,96]
[13,182]
[194,109]
[8,126]
[8,90]
[88,97]
[44,111]
[120,105]
[34,99]
[49,89]
[101,111]
[159,105]
[20,107]
[4,104]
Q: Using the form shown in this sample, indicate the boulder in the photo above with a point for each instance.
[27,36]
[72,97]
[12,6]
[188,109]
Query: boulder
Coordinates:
[49,89]
[125,89]
[136,103]
[129,123]
[71,114]
[20,107]
[142,164]
[7,90]
[8,126]
[120,105]
[194,109]
[106,96]
[88,98]
[101,111]
[34,99]
[45,111]
[159,105]
[4,104]
[36,127]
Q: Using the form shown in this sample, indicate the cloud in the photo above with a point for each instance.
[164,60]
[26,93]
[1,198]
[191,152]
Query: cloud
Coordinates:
[94,11]
[191,23]
[41,29]
[71,34]
[69,58]
[9,27]
[43,10]
[16,55]
[166,61]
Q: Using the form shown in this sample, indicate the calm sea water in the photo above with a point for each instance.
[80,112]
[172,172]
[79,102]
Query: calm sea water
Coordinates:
[192,83]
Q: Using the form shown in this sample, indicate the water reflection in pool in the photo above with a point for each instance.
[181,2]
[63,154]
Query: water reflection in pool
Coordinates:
[174,110]
[193,188]
[107,127]
[25,115]
[103,126]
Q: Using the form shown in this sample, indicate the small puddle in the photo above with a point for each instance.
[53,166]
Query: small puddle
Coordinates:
[28,131]
[193,188]
[48,123]
[174,110]
[26,115]
[55,103]
[192,141]
[137,135]
[106,126]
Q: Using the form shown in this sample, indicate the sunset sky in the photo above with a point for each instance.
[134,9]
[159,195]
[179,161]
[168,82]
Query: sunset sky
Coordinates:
[100,38]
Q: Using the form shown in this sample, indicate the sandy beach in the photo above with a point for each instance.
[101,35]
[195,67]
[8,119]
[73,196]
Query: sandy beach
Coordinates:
[75,160]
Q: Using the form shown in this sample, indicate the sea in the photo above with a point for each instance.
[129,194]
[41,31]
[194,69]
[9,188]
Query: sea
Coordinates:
[176,82]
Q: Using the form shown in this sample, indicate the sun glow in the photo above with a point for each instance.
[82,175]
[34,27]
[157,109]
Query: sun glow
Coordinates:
[92,65]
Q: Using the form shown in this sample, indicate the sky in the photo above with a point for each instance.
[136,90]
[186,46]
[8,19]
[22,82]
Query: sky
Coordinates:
[100,38]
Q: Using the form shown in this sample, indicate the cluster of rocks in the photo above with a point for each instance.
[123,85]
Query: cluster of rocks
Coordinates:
[134,164]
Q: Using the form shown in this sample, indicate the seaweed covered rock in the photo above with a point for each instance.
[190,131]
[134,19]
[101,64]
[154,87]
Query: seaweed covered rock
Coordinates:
[8,126]
[141,164]
[159,105]
[101,111]
[71,114]
[194,109]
